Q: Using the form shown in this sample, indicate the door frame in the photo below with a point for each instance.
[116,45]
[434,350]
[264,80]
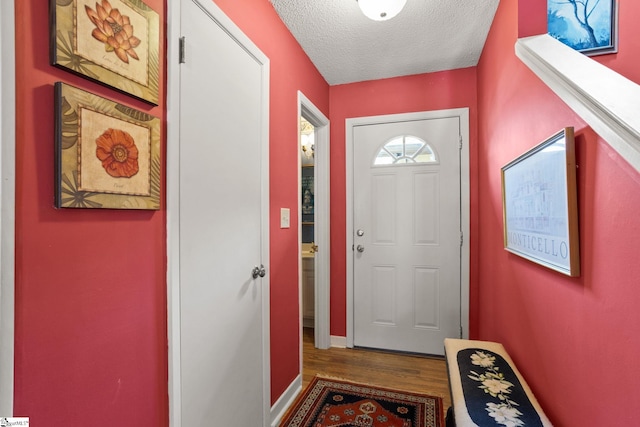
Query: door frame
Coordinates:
[322,226]
[7,204]
[463,115]
[173,201]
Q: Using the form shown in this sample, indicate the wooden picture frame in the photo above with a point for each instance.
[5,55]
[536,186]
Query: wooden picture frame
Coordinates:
[107,155]
[588,26]
[112,42]
[540,206]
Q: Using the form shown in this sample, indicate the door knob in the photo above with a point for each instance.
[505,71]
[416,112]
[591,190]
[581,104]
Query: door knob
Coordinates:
[360,248]
[258,271]
[360,233]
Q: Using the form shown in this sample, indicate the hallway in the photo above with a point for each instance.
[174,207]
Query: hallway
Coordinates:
[404,372]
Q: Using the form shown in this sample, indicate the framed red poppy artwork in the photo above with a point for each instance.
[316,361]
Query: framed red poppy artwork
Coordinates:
[113,42]
[107,154]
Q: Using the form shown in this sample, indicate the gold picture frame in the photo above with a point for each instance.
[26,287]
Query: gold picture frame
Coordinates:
[540,204]
[107,154]
[113,42]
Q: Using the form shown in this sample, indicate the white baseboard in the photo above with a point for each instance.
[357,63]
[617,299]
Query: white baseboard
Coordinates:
[308,322]
[340,342]
[285,401]
[289,396]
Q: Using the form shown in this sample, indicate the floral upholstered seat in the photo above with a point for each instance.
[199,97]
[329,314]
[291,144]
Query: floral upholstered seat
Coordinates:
[487,389]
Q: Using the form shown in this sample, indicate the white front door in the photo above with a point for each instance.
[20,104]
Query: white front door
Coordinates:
[407,234]
[223,223]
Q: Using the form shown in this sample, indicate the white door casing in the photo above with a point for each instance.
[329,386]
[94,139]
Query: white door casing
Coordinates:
[396,289]
[322,224]
[218,229]
[7,203]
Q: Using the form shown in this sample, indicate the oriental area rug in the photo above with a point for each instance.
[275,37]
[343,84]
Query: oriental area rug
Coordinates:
[329,402]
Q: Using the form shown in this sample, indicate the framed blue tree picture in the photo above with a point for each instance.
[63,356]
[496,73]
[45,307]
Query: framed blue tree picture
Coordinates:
[588,26]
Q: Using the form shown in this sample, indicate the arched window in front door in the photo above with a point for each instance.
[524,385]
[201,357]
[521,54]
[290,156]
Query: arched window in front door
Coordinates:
[405,149]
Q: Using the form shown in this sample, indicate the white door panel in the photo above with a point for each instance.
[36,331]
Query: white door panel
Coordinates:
[407,276]
[221,212]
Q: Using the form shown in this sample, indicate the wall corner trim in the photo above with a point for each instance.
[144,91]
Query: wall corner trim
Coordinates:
[284,402]
[7,205]
[604,99]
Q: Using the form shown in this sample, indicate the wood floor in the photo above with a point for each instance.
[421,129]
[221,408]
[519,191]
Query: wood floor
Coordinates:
[404,372]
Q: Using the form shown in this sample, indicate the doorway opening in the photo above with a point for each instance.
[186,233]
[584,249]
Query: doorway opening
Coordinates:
[313,222]
[309,248]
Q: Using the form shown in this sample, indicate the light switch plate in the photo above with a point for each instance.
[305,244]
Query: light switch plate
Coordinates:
[285,218]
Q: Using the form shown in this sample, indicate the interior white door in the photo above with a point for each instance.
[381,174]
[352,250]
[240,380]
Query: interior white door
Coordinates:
[406,235]
[222,233]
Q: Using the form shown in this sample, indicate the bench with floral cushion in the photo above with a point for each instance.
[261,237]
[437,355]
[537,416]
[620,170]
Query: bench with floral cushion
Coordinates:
[486,388]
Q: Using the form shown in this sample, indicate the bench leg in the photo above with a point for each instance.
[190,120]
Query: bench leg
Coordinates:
[450,420]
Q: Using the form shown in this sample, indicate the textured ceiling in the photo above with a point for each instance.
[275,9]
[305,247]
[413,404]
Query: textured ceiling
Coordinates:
[427,36]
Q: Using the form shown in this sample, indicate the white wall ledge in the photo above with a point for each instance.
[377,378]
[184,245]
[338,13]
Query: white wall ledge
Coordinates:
[606,101]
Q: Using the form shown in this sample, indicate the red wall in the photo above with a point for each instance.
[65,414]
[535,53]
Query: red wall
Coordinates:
[90,307]
[91,346]
[574,339]
[436,91]
[291,70]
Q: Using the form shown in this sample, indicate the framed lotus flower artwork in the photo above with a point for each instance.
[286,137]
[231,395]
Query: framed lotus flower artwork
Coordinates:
[113,42]
[107,154]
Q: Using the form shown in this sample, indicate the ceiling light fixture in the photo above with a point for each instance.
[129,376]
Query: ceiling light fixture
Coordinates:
[381,10]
